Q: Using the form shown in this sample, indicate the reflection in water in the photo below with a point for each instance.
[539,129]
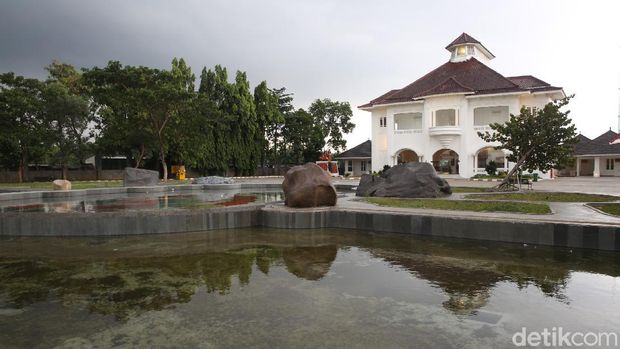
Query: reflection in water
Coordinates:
[129,277]
[145,201]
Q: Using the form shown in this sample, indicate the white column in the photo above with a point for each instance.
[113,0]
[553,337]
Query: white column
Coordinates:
[578,166]
[597,167]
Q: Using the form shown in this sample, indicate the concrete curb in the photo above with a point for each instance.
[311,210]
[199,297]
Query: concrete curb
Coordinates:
[515,230]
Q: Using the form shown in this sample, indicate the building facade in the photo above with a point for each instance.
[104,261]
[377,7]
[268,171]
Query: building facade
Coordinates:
[437,118]
[357,160]
[598,157]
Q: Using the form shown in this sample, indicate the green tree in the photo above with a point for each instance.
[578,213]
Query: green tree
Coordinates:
[153,98]
[215,120]
[274,131]
[269,117]
[120,130]
[67,111]
[244,129]
[539,140]
[302,139]
[334,118]
[24,133]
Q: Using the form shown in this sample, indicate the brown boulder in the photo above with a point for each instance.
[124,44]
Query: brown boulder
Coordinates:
[61,184]
[308,186]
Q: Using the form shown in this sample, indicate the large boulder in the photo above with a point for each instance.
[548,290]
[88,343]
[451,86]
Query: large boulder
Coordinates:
[138,177]
[308,186]
[61,184]
[411,180]
[213,180]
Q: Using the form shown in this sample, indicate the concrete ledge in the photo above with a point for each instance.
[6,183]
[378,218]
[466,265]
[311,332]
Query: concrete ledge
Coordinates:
[562,234]
[599,237]
[127,223]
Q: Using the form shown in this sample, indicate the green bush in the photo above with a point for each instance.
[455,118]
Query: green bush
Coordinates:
[491,168]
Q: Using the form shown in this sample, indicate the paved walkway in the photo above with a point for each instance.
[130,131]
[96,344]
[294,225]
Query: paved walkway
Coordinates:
[562,211]
[602,185]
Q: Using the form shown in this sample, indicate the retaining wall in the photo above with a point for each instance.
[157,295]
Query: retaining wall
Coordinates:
[601,237]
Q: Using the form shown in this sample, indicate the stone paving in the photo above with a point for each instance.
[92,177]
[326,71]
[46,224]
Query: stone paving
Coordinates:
[565,212]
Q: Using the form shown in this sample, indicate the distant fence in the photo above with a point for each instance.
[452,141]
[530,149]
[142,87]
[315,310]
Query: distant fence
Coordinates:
[47,175]
[50,175]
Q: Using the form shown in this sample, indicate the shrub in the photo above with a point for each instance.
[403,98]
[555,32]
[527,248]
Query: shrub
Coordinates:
[491,168]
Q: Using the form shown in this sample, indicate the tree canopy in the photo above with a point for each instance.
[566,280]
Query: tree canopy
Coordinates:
[536,139]
[157,117]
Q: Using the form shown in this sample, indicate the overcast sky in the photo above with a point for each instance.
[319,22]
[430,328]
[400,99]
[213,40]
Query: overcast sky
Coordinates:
[344,50]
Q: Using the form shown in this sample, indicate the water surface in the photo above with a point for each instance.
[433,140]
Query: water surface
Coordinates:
[296,289]
[143,201]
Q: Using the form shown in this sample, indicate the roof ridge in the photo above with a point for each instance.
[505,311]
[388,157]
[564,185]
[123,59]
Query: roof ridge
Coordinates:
[423,76]
[496,73]
[451,78]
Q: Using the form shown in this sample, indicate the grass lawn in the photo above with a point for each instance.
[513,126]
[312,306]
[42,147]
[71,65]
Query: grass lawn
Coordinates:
[74,185]
[469,189]
[610,209]
[543,196]
[461,205]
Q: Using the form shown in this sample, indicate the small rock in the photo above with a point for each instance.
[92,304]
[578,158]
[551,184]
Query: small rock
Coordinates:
[213,180]
[61,184]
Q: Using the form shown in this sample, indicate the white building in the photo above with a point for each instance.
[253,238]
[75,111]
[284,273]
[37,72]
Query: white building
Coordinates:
[436,118]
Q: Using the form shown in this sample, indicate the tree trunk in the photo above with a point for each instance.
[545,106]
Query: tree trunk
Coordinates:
[140,156]
[21,173]
[520,162]
[162,157]
[64,171]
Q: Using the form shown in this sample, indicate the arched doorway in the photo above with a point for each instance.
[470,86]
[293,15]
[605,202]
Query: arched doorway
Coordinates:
[407,155]
[487,154]
[446,161]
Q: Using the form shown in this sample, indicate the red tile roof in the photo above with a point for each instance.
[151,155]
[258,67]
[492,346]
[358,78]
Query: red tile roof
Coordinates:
[467,77]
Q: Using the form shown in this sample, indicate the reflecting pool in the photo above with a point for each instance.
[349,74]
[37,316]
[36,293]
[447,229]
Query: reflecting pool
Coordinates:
[295,289]
[144,201]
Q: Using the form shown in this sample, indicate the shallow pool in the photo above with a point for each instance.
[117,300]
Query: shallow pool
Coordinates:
[296,289]
[179,200]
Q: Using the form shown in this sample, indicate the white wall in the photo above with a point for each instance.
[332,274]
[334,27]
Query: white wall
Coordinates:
[379,140]
[387,142]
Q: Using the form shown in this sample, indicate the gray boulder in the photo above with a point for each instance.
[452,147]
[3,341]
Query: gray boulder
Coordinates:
[213,180]
[138,177]
[411,180]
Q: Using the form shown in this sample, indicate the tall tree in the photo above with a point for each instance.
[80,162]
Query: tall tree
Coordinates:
[246,151]
[334,118]
[154,96]
[67,110]
[24,133]
[539,140]
[268,116]
[213,111]
[302,139]
[274,132]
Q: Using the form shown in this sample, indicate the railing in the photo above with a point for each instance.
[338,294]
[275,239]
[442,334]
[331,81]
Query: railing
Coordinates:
[483,128]
[444,130]
[407,131]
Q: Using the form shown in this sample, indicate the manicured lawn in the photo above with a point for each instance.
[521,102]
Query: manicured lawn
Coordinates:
[74,185]
[469,189]
[611,209]
[549,197]
[463,205]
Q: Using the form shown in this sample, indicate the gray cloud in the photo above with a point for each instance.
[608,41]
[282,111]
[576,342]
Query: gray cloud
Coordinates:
[345,50]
